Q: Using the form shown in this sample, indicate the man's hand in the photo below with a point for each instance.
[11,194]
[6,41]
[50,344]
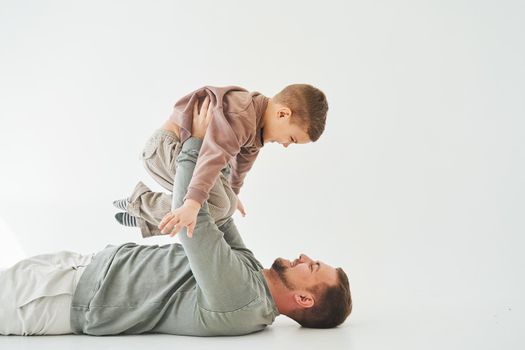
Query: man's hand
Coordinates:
[201,119]
[184,216]
[240,207]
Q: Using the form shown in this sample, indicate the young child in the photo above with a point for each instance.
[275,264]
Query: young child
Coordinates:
[240,123]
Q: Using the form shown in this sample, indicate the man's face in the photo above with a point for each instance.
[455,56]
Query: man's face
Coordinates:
[282,130]
[304,273]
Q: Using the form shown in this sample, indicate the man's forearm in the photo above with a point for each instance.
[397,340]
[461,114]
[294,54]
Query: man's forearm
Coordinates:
[186,161]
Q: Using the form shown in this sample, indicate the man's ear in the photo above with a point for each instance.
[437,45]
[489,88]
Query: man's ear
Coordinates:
[304,299]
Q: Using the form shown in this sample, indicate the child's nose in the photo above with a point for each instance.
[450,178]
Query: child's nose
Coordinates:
[304,257]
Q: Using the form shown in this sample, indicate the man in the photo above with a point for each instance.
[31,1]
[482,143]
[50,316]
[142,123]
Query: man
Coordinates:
[208,285]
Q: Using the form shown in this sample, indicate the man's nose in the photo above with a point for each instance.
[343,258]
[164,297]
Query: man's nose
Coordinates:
[285,145]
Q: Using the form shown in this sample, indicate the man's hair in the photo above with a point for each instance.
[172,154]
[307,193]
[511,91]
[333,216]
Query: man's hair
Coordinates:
[333,305]
[308,105]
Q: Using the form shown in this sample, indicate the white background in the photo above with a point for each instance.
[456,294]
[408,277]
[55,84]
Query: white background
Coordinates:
[416,188]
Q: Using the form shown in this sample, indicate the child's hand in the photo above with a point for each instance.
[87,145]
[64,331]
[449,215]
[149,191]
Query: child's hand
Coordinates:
[240,207]
[184,216]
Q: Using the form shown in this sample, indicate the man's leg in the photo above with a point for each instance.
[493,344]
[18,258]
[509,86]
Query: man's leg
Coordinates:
[36,293]
[147,208]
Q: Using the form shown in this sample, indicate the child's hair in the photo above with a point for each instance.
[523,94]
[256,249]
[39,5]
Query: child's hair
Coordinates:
[308,104]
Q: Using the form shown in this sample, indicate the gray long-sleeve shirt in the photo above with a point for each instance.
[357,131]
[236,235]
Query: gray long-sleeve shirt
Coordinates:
[210,285]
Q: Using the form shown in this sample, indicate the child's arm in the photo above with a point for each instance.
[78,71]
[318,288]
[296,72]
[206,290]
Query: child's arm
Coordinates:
[241,164]
[222,142]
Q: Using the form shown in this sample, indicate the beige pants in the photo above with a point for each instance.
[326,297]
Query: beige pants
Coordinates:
[36,293]
[149,207]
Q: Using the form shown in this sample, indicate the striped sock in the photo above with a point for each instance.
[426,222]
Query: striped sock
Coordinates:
[121,204]
[126,219]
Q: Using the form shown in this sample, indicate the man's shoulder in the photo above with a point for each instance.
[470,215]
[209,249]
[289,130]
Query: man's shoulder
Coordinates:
[257,312]
[247,257]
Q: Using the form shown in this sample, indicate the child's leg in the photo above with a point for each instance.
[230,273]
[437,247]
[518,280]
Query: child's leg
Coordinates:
[149,207]
[159,155]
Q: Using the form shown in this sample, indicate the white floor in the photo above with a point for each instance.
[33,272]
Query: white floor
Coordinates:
[403,329]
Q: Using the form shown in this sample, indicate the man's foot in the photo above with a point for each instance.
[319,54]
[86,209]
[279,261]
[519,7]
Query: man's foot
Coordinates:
[121,204]
[126,219]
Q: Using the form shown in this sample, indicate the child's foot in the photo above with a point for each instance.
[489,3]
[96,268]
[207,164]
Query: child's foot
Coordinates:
[121,204]
[126,219]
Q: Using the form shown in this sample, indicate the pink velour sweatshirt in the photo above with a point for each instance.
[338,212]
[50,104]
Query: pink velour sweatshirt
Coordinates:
[234,135]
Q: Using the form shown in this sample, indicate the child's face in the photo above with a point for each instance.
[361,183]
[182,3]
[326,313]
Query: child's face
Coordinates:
[282,130]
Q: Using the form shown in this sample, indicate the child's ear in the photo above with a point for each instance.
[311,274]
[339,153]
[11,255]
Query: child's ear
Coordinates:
[284,112]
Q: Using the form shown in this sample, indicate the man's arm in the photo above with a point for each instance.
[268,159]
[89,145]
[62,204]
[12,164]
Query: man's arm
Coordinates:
[219,271]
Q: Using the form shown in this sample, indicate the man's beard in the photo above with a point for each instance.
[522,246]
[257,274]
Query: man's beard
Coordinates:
[279,267]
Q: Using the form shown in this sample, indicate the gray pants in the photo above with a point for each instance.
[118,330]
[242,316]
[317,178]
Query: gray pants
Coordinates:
[149,207]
